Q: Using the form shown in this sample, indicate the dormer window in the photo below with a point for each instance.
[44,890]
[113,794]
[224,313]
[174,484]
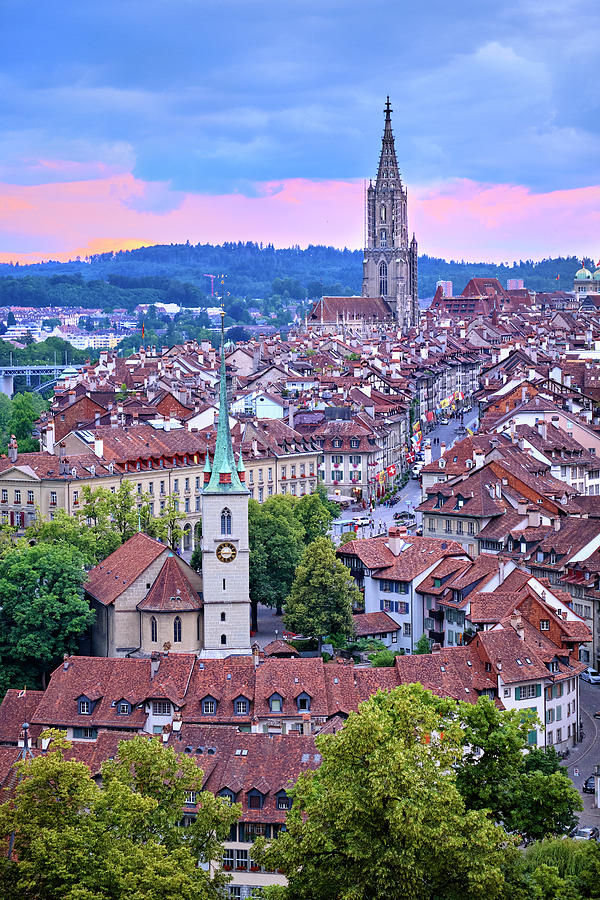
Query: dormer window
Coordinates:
[241,706]
[544,624]
[85,707]
[276,703]
[227,794]
[336,443]
[255,799]
[191,798]
[283,801]
[209,706]
[553,666]
[124,708]
[303,701]
[354,443]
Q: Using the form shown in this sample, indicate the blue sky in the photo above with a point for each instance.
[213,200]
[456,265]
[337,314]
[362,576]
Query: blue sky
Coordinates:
[191,100]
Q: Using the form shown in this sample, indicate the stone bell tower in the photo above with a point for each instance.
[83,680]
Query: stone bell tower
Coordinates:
[390,263]
[225,547]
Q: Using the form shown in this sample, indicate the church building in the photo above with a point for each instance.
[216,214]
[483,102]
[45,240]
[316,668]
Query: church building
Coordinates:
[389,287]
[147,599]
[390,262]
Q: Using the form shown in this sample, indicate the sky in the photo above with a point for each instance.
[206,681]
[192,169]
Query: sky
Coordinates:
[133,122]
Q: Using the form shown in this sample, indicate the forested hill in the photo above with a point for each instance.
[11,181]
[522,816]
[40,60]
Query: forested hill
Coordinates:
[178,272]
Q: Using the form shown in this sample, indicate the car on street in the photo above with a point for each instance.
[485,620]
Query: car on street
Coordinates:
[361,520]
[589,785]
[461,429]
[418,531]
[444,421]
[592,676]
[404,518]
[585,834]
[416,470]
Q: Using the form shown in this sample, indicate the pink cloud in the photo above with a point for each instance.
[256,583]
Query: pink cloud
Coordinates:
[456,219]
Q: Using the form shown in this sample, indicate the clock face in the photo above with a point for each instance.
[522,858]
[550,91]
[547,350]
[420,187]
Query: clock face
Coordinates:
[226,552]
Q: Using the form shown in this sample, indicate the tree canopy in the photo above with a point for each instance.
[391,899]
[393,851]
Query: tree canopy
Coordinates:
[322,594]
[73,839]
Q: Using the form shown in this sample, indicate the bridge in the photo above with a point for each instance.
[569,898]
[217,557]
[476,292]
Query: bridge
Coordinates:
[47,375]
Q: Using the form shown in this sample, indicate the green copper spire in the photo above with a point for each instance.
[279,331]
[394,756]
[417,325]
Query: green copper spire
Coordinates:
[224,478]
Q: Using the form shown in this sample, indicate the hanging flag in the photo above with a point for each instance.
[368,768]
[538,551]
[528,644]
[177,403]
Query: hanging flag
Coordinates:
[143,330]
[391,470]
[558,277]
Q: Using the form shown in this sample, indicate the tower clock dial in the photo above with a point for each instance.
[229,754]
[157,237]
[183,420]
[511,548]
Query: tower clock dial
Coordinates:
[226,552]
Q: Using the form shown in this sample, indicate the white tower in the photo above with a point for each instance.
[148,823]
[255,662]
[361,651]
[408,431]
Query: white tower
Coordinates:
[225,547]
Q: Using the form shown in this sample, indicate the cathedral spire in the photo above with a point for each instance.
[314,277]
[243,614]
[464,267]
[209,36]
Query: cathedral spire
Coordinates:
[224,477]
[387,174]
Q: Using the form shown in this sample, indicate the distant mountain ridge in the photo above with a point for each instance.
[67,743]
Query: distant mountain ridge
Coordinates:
[251,269]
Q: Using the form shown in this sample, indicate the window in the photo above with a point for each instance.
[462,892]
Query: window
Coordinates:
[187,504]
[459,527]
[177,630]
[17,496]
[153,630]
[53,498]
[283,801]
[241,707]
[161,708]
[383,278]
[139,487]
[4,495]
[30,496]
[222,617]
[226,522]
[407,629]
[191,797]
[151,488]
[187,484]
[162,487]
[383,238]
[275,703]
[124,709]
[303,702]
[255,799]
[507,692]
[260,475]
[293,471]
[209,706]
[471,527]
[528,691]
[558,735]
[85,708]
[223,639]
[89,734]
[176,485]
[270,474]
[544,624]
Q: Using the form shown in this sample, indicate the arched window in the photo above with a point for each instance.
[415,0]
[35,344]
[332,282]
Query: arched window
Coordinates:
[383,212]
[222,617]
[225,522]
[223,638]
[383,281]
[153,630]
[383,238]
[177,630]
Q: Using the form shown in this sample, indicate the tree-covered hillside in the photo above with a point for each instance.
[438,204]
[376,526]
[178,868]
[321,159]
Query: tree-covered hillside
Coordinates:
[177,273]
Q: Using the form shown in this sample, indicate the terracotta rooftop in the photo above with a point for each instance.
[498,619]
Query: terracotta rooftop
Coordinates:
[119,571]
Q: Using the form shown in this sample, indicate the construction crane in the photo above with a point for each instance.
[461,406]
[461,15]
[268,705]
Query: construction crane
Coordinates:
[212,282]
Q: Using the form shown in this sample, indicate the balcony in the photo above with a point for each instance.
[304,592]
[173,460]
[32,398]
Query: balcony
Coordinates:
[436,636]
[437,614]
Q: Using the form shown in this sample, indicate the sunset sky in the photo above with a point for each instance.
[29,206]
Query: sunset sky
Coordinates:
[146,121]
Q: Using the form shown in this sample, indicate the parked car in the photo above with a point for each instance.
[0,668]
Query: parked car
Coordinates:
[585,834]
[461,429]
[362,520]
[444,421]
[418,531]
[590,675]
[589,785]
[416,470]
[404,517]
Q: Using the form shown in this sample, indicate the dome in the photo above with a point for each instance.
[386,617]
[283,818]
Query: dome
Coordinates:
[583,274]
[597,273]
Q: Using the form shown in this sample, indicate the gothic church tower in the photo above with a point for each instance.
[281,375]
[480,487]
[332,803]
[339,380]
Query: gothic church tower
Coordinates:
[225,547]
[390,262]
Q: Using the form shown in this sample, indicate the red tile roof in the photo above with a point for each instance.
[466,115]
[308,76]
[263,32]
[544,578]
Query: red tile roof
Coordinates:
[121,569]
[171,591]
[374,623]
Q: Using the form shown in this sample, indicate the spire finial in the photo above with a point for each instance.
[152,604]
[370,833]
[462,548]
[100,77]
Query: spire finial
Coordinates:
[388,108]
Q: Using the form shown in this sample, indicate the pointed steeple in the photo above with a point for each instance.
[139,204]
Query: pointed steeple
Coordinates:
[388,173]
[224,478]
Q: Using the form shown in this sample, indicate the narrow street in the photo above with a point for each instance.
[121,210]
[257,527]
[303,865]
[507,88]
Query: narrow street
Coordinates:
[410,496]
[584,757]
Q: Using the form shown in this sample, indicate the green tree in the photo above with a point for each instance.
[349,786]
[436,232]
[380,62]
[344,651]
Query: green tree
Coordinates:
[382,816]
[382,658]
[76,840]
[494,775]
[322,595]
[423,645]
[196,558]
[276,543]
[314,516]
[558,869]
[331,505]
[26,409]
[43,612]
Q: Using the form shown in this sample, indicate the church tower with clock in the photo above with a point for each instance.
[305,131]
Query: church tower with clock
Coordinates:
[225,547]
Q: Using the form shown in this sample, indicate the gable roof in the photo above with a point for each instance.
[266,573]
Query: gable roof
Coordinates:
[171,591]
[117,572]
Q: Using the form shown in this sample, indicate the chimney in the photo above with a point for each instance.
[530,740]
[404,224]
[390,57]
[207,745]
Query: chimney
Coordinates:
[522,506]
[396,539]
[478,458]
[167,423]
[65,661]
[113,420]
[533,518]
[442,448]
[306,724]
[556,523]
[255,654]
[96,419]
[99,447]
[523,394]
[541,427]
[516,622]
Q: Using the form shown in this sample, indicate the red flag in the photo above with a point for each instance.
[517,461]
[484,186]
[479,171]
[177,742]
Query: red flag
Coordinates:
[558,277]
[143,330]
